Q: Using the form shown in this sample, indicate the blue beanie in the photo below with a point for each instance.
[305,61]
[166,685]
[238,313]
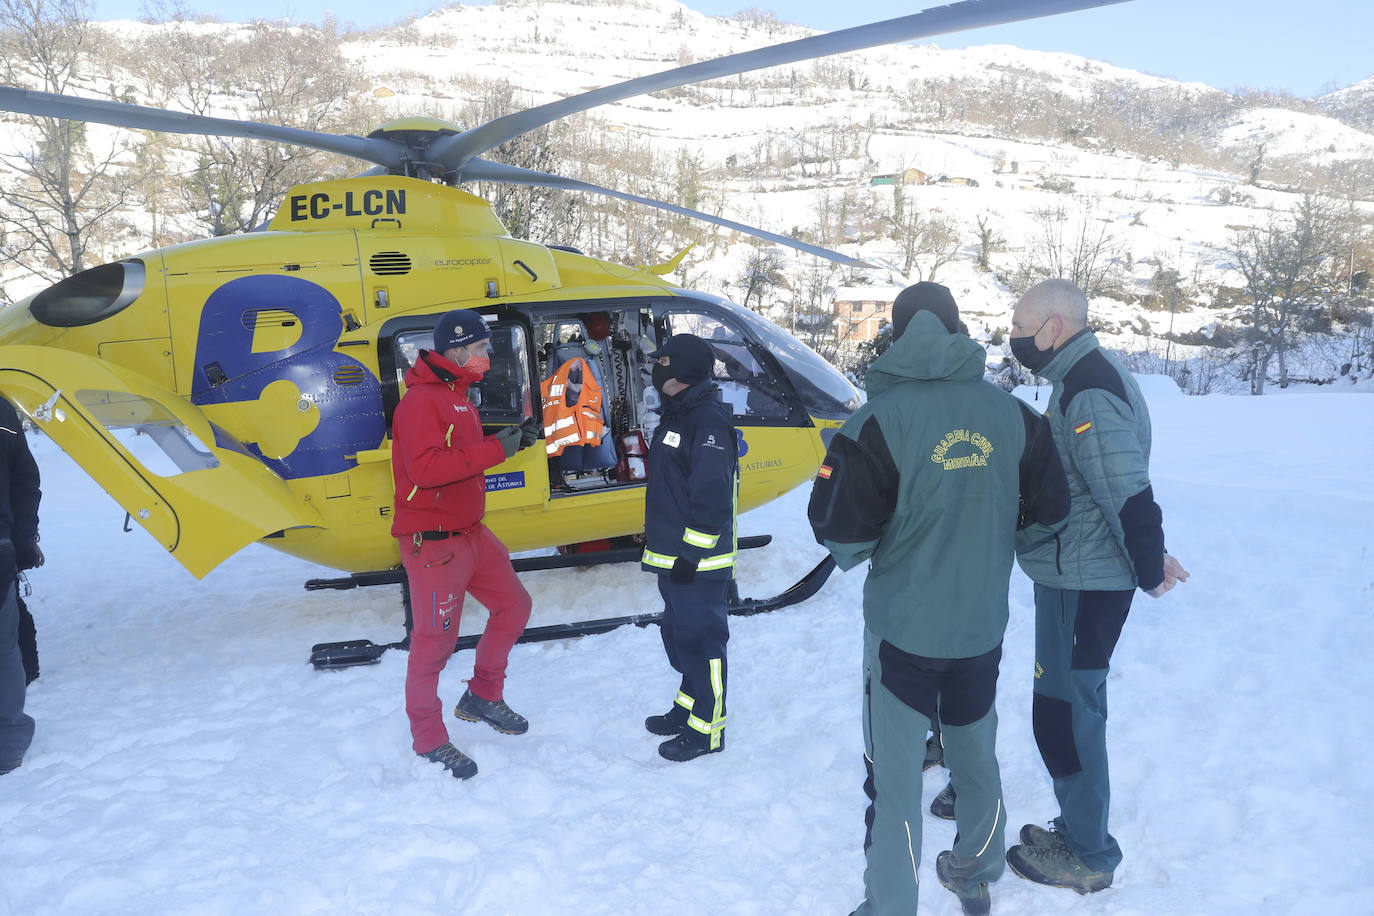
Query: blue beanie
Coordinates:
[458,329]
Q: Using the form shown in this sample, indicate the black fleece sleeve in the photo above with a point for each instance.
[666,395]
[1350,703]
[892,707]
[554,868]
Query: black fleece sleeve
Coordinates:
[856,488]
[1142,522]
[1044,487]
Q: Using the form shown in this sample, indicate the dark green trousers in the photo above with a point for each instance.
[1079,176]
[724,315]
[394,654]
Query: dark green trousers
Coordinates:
[902,694]
[1075,635]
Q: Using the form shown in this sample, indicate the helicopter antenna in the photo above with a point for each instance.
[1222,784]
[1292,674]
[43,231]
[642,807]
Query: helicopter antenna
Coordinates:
[485,170]
[456,151]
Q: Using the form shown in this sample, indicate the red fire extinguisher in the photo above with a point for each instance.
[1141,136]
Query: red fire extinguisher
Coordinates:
[633,452]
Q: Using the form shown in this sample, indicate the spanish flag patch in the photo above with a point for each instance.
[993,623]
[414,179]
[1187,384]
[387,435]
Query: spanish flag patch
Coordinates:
[824,472]
[1080,430]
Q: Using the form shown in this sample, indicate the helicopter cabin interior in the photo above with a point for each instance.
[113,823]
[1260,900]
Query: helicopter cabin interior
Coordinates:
[568,349]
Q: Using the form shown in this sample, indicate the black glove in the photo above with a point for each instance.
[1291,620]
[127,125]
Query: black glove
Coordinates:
[509,437]
[683,571]
[529,432]
[28,556]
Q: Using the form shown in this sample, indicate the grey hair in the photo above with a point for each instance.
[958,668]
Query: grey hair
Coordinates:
[1057,297]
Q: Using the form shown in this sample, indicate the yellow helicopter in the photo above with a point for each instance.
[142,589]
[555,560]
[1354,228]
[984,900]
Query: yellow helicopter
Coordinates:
[239,389]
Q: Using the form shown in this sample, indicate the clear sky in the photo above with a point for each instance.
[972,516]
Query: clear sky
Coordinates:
[1304,46]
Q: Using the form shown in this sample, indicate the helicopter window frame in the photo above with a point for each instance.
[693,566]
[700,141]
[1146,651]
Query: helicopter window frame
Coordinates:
[790,364]
[776,378]
[392,368]
[171,447]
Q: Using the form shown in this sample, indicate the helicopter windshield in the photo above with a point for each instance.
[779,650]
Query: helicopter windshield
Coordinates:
[746,387]
[826,394]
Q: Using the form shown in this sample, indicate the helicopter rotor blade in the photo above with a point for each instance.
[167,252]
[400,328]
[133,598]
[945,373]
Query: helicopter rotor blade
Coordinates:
[454,152]
[485,170]
[385,153]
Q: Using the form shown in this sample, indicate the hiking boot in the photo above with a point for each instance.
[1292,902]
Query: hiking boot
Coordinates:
[972,897]
[1056,866]
[669,724]
[1032,835]
[935,754]
[9,766]
[689,745]
[453,760]
[472,708]
[942,805]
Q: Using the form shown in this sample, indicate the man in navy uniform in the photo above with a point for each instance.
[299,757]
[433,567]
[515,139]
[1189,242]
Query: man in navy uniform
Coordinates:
[19,495]
[689,531]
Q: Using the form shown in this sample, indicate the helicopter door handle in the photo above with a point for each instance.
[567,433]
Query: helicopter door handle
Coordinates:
[44,411]
[386,219]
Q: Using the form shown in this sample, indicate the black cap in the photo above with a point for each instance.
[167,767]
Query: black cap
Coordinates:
[690,358]
[924,297]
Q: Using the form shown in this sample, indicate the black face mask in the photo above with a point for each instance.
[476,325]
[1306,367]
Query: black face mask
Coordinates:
[1029,355]
[661,375]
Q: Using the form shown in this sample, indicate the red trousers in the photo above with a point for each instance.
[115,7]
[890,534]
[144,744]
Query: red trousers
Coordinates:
[439,574]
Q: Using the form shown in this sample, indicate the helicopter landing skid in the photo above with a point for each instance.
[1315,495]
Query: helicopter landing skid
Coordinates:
[365,652]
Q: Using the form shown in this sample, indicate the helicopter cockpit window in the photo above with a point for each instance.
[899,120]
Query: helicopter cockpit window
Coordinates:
[744,383]
[149,432]
[504,395]
[824,391]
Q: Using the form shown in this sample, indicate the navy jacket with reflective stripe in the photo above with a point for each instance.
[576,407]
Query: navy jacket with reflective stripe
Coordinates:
[693,479]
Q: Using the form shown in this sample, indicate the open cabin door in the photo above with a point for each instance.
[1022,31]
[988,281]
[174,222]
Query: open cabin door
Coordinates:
[779,447]
[192,487]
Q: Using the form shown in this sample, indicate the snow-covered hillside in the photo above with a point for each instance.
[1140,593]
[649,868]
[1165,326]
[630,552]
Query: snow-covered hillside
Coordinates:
[846,119]
[188,760]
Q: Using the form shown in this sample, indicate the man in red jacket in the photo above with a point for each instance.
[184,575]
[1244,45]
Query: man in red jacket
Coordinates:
[438,458]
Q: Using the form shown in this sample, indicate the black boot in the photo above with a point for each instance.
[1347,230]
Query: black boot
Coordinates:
[670,724]
[453,760]
[690,745]
[942,805]
[973,897]
[935,753]
[472,708]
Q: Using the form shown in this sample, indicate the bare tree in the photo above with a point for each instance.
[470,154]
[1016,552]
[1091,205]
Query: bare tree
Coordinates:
[542,214]
[812,320]
[1080,248]
[64,192]
[990,241]
[294,76]
[928,241]
[1288,270]
[1254,162]
[762,274]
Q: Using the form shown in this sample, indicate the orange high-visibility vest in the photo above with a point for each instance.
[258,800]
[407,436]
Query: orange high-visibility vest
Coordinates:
[567,424]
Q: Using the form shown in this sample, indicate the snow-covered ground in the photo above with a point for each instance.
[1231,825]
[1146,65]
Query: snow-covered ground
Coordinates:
[189,760]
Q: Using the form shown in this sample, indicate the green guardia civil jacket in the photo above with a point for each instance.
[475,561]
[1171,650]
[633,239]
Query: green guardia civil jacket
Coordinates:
[1114,538]
[929,481]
